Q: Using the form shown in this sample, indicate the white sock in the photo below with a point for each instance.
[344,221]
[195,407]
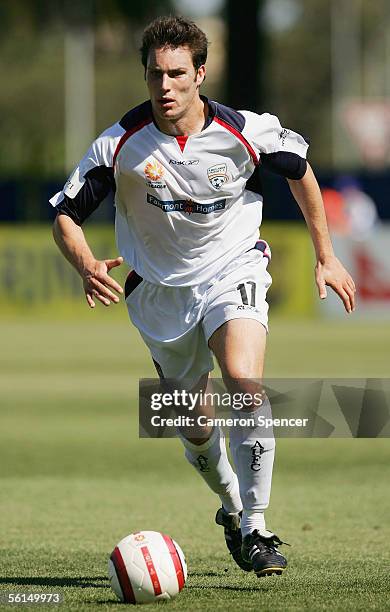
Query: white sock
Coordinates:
[211,461]
[251,521]
[253,456]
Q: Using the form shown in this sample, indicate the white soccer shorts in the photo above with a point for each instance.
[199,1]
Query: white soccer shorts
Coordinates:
[177,322]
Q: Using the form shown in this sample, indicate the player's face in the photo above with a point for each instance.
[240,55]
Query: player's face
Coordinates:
[172,81]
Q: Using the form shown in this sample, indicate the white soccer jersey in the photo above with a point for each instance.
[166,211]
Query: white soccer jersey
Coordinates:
[183,206]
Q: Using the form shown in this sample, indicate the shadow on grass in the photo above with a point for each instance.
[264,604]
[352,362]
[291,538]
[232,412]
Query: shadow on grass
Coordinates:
[225,587]
[101,582]
[82,581]
[204,574]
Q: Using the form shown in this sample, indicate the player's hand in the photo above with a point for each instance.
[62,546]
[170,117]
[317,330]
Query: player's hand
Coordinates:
[332,273]
[99,284]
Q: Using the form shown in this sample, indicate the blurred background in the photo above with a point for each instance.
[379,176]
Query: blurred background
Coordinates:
[71,68]
[74,475]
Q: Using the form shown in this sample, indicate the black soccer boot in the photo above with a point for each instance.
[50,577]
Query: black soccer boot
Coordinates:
[261,551]
[231,524]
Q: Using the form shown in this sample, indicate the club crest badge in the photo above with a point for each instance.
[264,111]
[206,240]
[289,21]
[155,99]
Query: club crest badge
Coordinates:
[203,463]
[217,175]
[257,450]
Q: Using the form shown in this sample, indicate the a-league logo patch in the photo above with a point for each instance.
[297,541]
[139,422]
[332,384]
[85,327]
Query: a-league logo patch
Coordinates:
[154,170]
[257,450]
[217,175]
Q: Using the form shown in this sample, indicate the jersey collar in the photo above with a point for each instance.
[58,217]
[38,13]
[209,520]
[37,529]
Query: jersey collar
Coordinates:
[212,109]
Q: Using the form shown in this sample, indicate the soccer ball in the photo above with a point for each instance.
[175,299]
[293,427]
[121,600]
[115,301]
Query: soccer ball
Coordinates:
[147,566]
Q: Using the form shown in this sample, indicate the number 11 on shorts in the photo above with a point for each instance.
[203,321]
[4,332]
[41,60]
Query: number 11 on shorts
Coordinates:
[244,294]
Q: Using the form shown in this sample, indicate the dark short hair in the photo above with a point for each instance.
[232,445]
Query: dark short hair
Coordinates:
[175,32]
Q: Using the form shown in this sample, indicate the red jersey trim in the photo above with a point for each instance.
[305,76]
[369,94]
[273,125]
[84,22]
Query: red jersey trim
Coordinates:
[127,135]
[181,141]
[240,137]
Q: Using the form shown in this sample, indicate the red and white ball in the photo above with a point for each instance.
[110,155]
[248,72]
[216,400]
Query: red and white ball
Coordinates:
[147,566]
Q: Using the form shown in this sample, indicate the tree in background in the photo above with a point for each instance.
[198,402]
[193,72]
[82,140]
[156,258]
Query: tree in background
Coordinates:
[280,66]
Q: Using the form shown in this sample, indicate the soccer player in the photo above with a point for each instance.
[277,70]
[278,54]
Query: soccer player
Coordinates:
[187,222]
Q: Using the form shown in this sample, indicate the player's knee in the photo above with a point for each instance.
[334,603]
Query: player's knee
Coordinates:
[237,380]
[199,441]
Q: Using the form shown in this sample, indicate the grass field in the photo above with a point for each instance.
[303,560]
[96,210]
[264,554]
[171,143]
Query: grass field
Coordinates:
[75,478]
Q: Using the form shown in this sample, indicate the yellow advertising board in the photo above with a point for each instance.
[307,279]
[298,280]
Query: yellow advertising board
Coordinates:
[293,290]
[35,279]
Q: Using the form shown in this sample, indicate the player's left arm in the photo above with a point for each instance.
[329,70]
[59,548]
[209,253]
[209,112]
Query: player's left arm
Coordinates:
[283,152]
[329,270]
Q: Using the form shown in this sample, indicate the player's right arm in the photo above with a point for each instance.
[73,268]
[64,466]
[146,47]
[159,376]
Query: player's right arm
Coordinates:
[97,282]
[86,188]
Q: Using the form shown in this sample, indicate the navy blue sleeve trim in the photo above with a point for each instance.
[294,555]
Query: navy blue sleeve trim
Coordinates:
[227,114]
[132,281]
[99,182]
[289,165]
[136,115]
[254,182]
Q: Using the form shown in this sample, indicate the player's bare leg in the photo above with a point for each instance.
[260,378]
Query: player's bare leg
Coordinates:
[239,346]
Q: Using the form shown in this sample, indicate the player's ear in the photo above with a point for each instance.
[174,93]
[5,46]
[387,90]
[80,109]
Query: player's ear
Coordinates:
[200,75]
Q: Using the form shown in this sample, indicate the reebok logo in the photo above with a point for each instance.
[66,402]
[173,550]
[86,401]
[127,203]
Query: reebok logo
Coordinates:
[184,162]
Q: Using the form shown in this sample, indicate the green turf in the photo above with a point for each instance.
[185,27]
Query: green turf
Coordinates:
[75,478]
